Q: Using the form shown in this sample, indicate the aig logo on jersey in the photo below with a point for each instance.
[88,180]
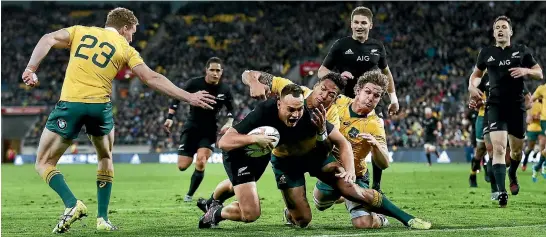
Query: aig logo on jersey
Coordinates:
[363,58]
[504,62]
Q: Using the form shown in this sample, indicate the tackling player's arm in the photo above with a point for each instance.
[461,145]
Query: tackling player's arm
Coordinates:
[530,67]
[345,153]
[57,39]
[162,84]
[378,143]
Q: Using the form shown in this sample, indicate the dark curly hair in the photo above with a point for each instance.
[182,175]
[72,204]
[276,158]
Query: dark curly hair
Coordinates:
[335,78]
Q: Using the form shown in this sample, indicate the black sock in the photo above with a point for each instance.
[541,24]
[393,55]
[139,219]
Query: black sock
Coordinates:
[223,197]
[196,179]
[513,168]
[218,215]
[428,159]
[377,174]
[499,171]
[475,165]
[540,162]
[526,158]
[437,154]
[492,179]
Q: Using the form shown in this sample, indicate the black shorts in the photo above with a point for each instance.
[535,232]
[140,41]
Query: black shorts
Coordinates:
[430,139]
[485,124]
[506,118]
[193,138]
[241,168]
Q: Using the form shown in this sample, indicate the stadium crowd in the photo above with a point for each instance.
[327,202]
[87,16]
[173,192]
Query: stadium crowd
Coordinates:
[431,46]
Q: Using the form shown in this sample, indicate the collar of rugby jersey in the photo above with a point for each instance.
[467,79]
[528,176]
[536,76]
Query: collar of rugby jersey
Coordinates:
[111,29]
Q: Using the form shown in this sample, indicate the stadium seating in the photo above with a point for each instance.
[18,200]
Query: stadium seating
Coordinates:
[432,47]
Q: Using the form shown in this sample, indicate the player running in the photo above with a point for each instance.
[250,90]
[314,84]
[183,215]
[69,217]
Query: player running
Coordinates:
[534,130]
[199,131]
[354,55]
[539,95]
[96,55]
[506,65]
[433,128]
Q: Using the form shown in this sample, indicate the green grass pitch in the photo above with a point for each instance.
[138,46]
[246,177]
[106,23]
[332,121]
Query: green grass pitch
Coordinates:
[147,201]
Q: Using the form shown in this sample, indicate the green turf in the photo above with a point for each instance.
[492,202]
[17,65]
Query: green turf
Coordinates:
[147,201]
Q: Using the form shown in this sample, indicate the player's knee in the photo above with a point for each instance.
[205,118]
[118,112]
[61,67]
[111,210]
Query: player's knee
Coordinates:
[250,215]
[364,222]
[516,154]
[499,149]
[302,221]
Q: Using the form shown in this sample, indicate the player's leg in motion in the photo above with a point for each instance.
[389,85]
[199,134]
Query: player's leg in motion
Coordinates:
[428,149]
[480,152]
[369,198]
[199,173]
[532,138]
[62,126]
[538,166]
[489,172]
[542,142]
[222,192]
[297,210]
[475,163]
[325,196]
[105,176]
[516,147]
[50,149]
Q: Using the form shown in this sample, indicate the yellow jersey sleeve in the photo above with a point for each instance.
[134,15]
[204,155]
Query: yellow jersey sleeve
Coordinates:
[332,116]
[133,58]
[72,31]
[279,83]
[537,92]
[378,131]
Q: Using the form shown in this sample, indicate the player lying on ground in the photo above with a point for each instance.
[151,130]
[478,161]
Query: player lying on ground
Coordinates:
[96,55]
[324,93]
[354,55]
[349,123]
[306,152]
[199,131]
[507,65]
[365,131]
[539,95]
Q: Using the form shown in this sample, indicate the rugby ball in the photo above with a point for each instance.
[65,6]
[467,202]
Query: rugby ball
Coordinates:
[253,150]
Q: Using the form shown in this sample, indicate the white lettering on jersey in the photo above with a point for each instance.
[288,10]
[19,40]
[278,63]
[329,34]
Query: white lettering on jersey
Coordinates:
[363,58]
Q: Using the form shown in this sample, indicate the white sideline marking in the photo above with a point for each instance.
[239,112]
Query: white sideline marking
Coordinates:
[418,232]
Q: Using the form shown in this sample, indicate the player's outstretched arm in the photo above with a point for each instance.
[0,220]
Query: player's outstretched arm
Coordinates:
[260,83]
[345,153]
[57,39]
[160,83]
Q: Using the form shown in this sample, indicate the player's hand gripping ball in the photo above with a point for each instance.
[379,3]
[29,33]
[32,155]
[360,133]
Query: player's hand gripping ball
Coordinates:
[266,139]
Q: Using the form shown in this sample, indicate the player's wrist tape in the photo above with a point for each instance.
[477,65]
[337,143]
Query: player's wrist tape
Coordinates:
[170,116]
[322,137]
[173,107]
[394,99]
[31,68]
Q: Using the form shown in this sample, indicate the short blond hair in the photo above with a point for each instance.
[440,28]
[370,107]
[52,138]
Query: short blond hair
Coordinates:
[362,11]
[375,77]
[120,17]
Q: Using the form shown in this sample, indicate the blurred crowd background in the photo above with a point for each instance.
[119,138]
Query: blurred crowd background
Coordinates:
[431,50]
